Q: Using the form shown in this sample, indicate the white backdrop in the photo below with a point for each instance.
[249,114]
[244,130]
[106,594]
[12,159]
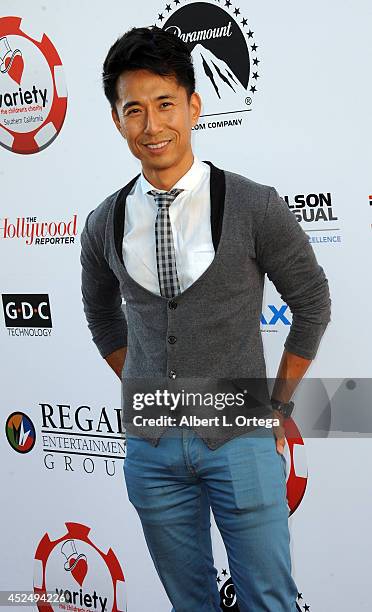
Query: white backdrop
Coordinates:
[306,130]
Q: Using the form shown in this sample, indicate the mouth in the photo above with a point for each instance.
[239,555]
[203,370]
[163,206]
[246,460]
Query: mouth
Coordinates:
[157,146]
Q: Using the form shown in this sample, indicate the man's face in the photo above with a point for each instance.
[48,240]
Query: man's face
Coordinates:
[154,114]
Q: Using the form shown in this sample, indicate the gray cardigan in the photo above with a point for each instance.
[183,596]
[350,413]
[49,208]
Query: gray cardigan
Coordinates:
[212,329]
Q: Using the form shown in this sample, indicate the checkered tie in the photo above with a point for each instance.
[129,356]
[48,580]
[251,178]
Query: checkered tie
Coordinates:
[165,253]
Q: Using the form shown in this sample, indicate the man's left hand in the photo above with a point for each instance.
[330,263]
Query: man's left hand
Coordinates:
[279,432]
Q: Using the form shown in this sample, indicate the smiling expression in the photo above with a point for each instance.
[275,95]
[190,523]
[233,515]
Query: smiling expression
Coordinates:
[155,115]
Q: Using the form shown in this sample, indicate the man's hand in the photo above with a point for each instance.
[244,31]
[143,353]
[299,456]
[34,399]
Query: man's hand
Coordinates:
[116,360]
[291,371]
[279,432]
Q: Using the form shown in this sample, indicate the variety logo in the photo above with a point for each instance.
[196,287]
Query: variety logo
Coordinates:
[20,432]
[33,97]
[316,209]
[27,314]
[224,54]
[71,566]
[37,232]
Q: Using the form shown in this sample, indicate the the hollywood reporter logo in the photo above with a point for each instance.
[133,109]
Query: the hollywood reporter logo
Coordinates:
[37,232]
[27,311]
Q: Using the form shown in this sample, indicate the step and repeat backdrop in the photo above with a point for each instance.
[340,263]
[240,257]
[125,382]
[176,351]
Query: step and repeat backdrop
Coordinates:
[286,95]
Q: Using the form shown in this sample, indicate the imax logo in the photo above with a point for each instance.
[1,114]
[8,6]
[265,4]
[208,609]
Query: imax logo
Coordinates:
[276,315]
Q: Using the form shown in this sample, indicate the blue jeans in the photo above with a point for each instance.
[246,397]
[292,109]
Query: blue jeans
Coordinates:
[172,486]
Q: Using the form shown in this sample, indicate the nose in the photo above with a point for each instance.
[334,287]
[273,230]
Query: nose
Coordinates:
[152,122]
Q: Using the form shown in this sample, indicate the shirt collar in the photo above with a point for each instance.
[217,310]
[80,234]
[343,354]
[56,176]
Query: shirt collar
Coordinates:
[187,182]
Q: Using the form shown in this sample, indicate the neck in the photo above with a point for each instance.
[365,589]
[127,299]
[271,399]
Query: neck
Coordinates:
[166,178]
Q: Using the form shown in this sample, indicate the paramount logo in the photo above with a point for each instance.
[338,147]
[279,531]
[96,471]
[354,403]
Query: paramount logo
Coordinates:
[224,55]
[197,35]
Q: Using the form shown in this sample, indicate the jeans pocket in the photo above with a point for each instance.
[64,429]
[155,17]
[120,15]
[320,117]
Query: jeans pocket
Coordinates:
[272,476]
[245,482]
[283,462]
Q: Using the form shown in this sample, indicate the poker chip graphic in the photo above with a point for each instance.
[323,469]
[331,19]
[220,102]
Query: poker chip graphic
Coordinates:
[33,96]
[75,566]
[295,456]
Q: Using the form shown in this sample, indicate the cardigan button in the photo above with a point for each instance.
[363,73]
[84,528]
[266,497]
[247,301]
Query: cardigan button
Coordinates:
[172,304]
[172,374]
[172,339]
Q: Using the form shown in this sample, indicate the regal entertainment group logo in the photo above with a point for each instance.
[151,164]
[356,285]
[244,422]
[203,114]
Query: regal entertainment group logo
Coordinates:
[20,432]
[224,53]
[27,314]
[82,438]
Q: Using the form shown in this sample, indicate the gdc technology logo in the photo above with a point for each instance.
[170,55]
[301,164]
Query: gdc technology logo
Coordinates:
[27,314]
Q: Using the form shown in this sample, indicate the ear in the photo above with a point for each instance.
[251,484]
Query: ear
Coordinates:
[115,118]
[195,106]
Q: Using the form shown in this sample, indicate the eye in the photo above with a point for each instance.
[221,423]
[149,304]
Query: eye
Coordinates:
[132,111]
[165,104]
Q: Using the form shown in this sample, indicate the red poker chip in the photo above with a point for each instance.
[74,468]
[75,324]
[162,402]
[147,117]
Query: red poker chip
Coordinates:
[296,465]
[68,546]
[33,96]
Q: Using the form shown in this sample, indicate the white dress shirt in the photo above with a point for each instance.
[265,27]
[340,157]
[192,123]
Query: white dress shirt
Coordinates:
[190,219]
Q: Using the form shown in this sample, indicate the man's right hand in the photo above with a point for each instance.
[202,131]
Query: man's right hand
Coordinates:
[116,360]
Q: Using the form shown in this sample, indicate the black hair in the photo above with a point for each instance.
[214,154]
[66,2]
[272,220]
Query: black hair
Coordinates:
[153,49]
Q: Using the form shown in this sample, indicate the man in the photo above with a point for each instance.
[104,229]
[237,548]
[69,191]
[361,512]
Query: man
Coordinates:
[187,245]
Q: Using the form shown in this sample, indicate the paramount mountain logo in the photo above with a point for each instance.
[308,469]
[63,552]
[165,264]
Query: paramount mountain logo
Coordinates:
[224,52]
[220,80]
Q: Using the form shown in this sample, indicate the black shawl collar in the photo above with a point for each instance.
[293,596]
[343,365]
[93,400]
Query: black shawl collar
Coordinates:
[217,192]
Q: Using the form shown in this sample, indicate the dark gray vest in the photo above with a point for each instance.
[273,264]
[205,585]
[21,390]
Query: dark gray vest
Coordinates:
[209,335]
